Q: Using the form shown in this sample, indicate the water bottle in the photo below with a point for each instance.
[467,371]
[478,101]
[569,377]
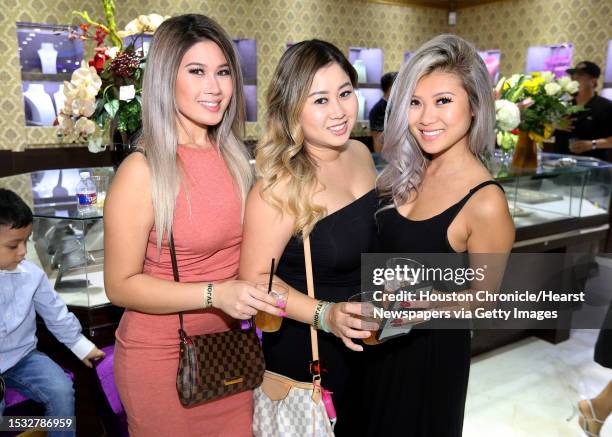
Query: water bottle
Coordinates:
[86,194]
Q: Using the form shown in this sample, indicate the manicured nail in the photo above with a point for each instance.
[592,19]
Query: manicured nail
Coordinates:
[281,304]
[283,314]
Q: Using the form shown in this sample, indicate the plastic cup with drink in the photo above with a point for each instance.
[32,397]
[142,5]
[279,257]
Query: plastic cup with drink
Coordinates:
[270,322]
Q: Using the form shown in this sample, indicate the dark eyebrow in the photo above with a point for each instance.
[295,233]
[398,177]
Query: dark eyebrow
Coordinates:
[199,64]
[436,94]
[327,92]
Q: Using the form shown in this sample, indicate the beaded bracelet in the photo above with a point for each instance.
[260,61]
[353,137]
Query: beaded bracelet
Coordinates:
[208,301]
[316,320]
[322,325]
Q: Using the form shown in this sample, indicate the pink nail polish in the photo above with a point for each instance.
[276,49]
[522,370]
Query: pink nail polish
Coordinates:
[283,314]
[281,304]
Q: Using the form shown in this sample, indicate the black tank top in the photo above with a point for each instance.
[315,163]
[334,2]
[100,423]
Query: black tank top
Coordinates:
[400,234]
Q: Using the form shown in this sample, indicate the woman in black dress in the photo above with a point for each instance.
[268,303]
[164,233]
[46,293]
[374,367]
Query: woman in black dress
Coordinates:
[313,180]
[437,198]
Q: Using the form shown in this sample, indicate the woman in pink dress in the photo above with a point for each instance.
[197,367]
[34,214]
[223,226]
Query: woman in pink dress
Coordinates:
[192,179]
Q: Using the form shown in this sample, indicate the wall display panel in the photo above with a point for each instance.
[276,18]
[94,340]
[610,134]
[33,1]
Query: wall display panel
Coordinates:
[48,54]
[247,52]
[492,60]
[513,26]
[368,63]
[555,58]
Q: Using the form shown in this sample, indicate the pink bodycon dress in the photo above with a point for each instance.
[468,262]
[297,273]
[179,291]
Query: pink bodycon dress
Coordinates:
[207,236]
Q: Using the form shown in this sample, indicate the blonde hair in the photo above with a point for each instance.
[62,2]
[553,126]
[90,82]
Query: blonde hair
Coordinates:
[159,138]
[406,162]
[280,156]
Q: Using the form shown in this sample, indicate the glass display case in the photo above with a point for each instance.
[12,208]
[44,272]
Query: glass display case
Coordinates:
[563,187]
[66,243]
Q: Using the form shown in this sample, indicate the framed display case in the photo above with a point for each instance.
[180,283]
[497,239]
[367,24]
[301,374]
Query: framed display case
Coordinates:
[555,58]
[247,51]
[607,81]
[492,60]
[368,63]
[48,55]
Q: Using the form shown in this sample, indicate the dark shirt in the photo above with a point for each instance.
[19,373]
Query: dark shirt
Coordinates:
[593,123]
[377,116]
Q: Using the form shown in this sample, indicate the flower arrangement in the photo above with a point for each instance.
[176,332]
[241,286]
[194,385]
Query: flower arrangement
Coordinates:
[535,103]
[104,94]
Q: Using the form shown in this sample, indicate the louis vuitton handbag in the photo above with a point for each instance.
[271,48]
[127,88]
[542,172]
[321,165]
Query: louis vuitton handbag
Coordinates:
[284,407]
[213,366]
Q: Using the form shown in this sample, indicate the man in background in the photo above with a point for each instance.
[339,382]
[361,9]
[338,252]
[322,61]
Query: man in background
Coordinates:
[377,113]
[590,132]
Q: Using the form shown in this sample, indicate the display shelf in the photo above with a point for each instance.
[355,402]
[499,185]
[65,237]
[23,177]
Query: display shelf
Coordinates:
[41,77]
[368,62]
[555,58]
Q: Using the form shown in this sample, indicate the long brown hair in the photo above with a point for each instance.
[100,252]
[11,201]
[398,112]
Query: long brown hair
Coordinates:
[280,155]
[159,138]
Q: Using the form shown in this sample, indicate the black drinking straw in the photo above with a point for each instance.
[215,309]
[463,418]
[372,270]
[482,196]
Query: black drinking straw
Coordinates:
[271,276]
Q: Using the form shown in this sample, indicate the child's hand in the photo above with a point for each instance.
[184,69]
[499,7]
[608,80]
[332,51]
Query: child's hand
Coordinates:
[94,354]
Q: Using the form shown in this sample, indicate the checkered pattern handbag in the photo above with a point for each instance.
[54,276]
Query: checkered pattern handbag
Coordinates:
[284,407]
[213,366]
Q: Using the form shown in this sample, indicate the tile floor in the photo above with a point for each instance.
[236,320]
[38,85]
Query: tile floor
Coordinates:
[528,389]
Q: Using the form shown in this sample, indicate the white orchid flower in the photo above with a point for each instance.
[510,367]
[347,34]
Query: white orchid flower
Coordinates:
[84,127]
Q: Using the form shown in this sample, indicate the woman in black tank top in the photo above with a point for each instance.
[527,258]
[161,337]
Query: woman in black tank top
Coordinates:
[436,197]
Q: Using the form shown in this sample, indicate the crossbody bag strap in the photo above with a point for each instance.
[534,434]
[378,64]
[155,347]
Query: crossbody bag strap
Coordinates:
[310,286]
[175,273]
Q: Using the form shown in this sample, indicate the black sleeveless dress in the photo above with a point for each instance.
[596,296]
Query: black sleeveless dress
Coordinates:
[416,385]
[337,242]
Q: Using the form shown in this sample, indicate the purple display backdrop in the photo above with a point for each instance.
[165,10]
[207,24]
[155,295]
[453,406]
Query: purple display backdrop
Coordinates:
[373,60]
[137,40]
[372,96]
[608,68]
[247,51]
[30,36]
[250,95]
[556,58]
[492,59]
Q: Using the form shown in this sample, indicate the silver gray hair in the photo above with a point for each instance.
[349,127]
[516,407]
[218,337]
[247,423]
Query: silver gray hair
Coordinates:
[406,162]
[160,114]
